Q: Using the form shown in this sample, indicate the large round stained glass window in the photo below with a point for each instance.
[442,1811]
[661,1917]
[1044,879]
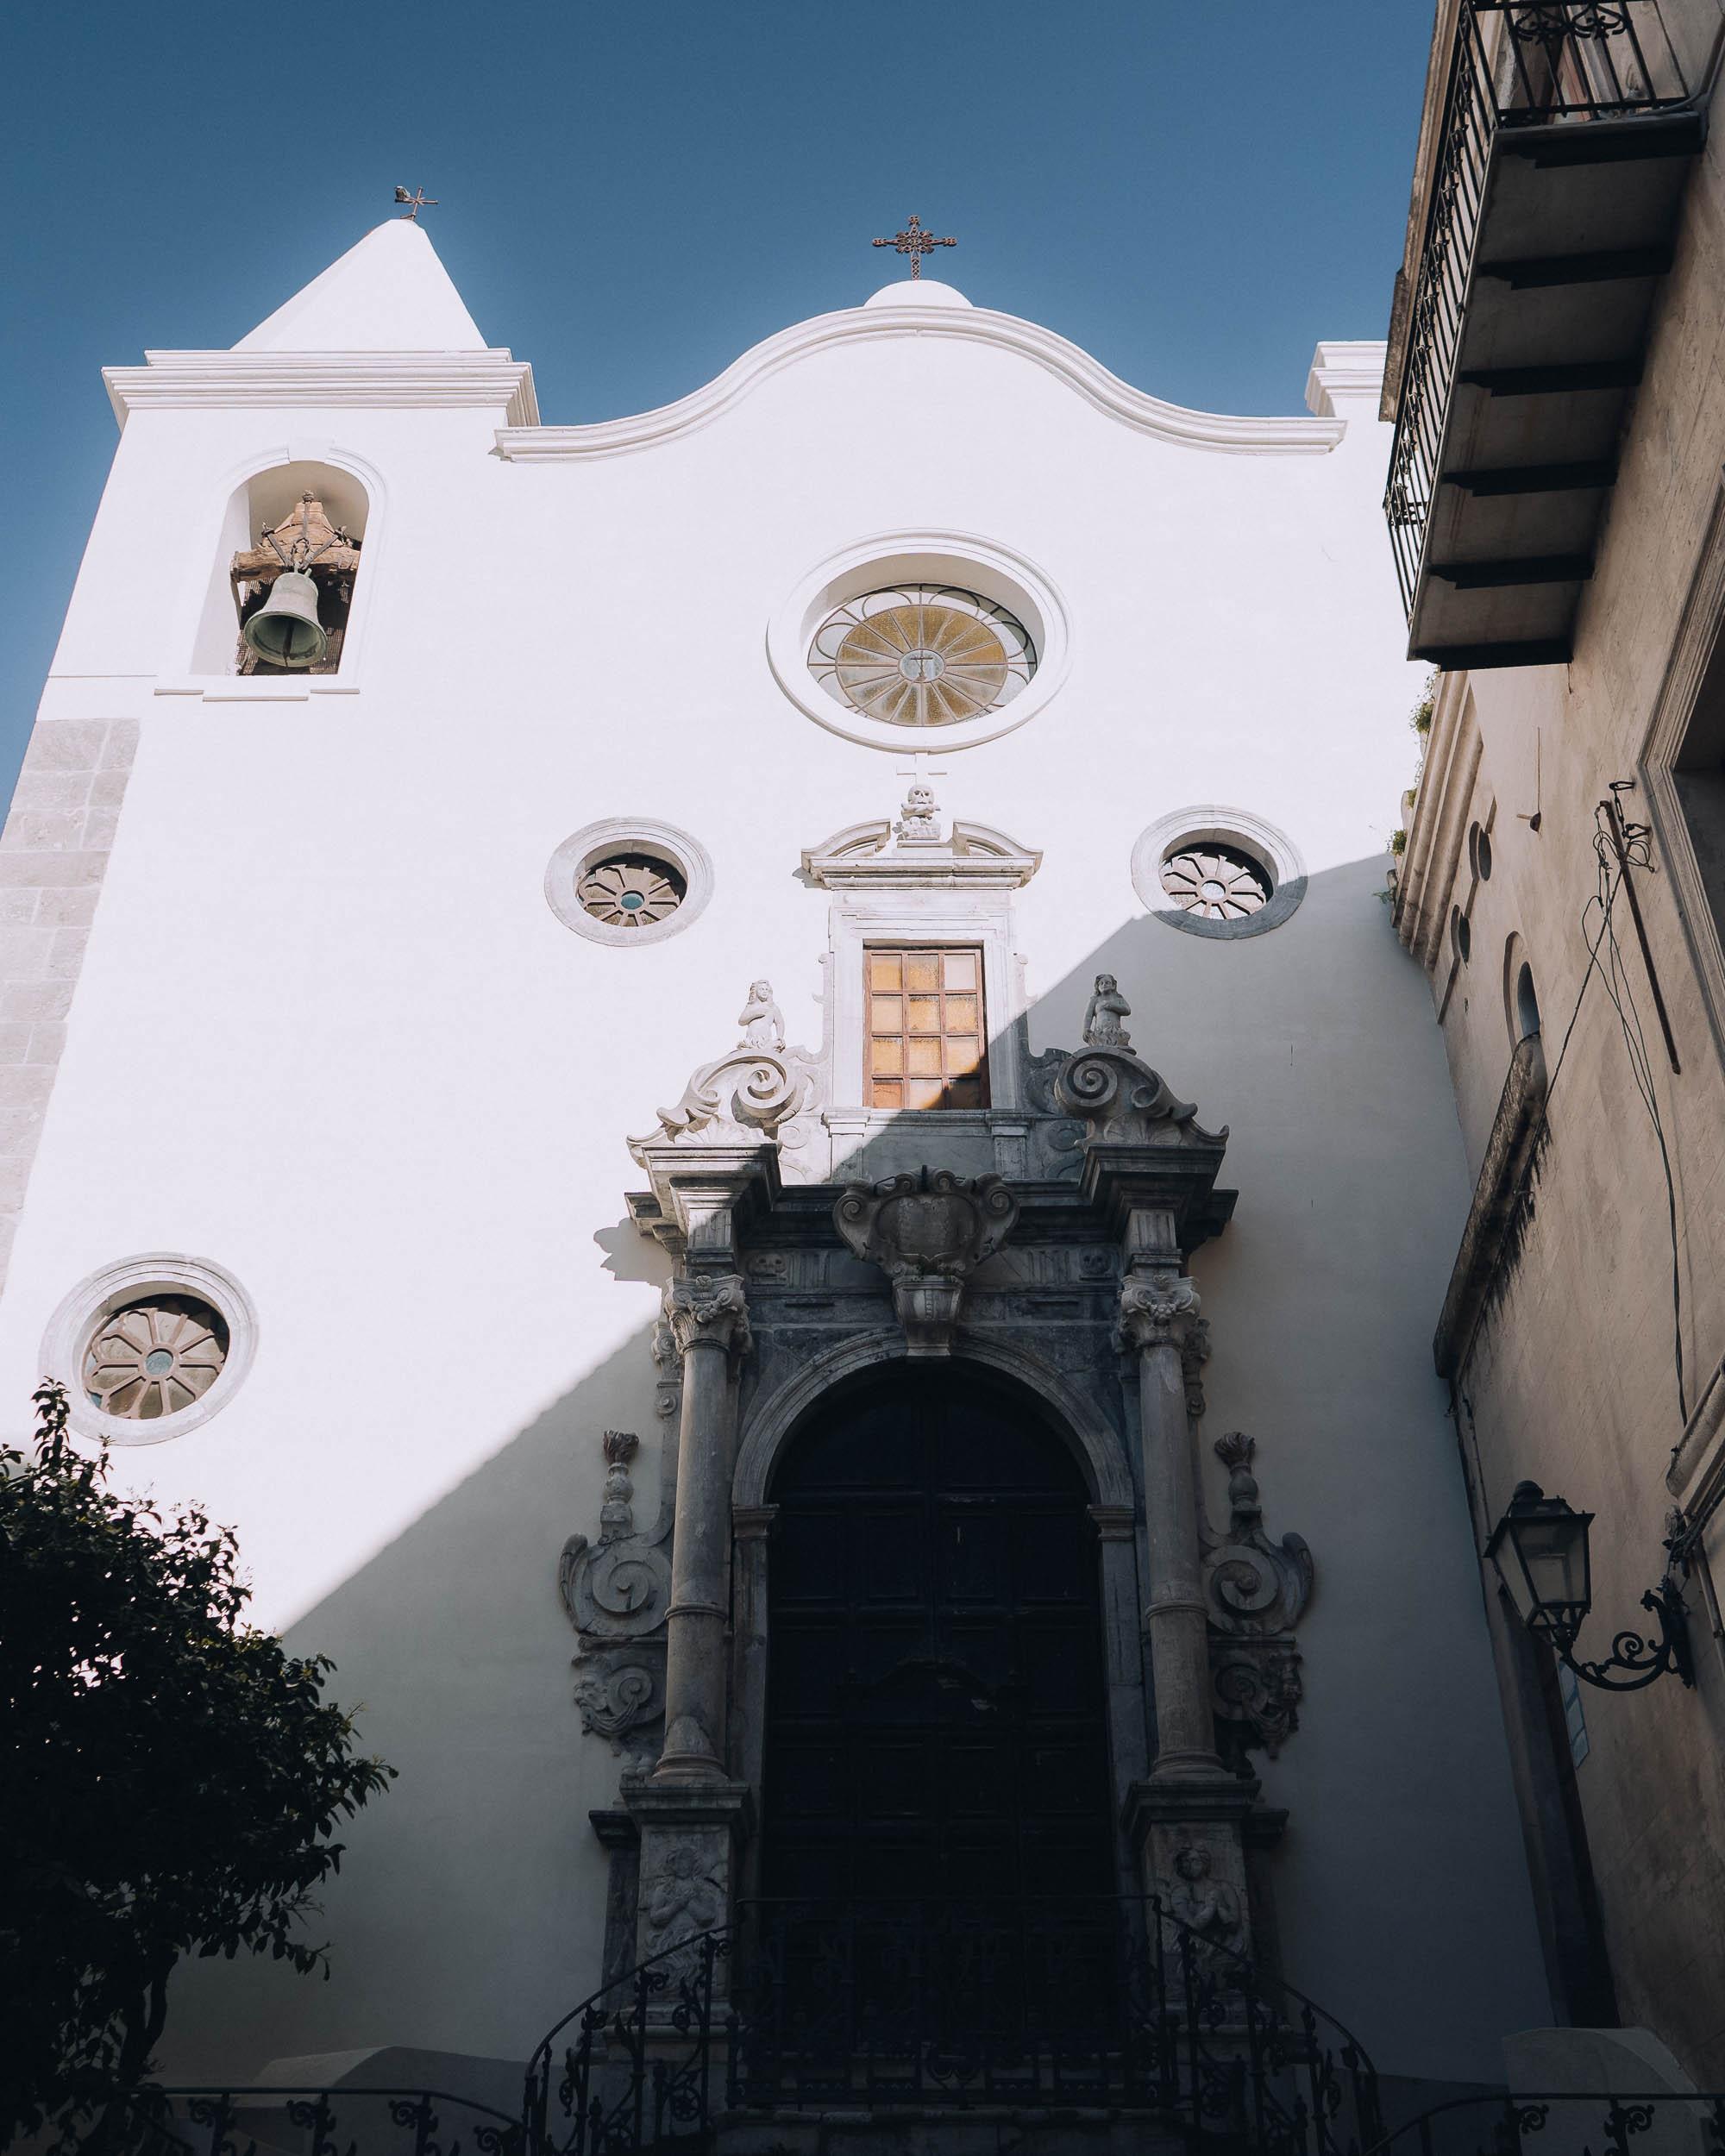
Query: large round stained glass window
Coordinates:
[922,654]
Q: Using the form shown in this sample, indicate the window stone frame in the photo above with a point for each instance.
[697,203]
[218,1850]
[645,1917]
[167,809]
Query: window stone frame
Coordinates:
[1209,823]
[129,1279]
[961,559]
[619,834]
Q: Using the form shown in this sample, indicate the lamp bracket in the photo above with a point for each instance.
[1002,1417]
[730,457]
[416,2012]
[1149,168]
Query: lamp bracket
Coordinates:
[1642,1660]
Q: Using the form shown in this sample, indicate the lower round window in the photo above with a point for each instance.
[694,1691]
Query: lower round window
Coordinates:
[632,890]
[1217,883]
[628,880]
[1219,872]
[154,1357]
[151,1347]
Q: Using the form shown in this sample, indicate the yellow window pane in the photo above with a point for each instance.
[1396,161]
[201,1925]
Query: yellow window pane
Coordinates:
[962,1014]
[922,969]
[926,1054]
[925,1014]
[887,1015]
[885,1092]
[960,970]
[963,1092]
[886,1058]
[923,1093]
[885,969]
[964,1053]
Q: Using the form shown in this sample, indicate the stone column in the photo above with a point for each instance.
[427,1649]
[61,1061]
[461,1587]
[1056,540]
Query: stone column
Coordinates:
[1188,1819]
[691,1817]
[1158,1309]
[709,1317]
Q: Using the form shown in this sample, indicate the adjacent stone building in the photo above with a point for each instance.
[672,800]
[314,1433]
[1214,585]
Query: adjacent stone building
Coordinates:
[1557,510]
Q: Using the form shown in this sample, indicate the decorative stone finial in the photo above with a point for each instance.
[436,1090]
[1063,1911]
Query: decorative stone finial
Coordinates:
[1102,1027]
[919,819]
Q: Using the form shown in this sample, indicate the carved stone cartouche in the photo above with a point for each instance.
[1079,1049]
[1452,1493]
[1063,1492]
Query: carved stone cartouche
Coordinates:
[927,1231]
[1257,1589]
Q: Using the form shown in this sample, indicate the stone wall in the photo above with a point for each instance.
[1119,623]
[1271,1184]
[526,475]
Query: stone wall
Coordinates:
[53,855]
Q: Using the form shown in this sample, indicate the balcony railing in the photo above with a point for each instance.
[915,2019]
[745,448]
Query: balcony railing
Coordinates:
[1516,65]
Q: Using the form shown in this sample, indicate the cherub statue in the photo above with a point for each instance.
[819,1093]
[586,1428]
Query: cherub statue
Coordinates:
[1102,1027]
[762,1023]
[1211,1907]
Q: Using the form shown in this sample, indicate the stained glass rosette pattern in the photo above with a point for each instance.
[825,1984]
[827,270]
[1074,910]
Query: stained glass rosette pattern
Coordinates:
[922,654]
[154,1357]
[1215,883]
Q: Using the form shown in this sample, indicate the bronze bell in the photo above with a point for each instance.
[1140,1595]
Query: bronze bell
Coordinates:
[285,630]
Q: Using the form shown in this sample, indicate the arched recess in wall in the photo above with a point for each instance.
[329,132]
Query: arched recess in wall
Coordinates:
[1521,995]
[259,497]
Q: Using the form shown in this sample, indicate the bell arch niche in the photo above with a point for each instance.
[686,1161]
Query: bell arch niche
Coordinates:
[937,1698]
[317,512]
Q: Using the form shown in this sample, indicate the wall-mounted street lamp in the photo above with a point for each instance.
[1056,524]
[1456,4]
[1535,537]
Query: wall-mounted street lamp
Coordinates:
[1540,1548]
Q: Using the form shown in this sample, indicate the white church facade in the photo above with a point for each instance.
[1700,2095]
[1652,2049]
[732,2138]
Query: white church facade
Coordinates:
[767,1139]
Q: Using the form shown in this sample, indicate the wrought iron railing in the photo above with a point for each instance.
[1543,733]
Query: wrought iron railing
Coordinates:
[1514,64]
[809,2006]
[173,2121]
[1562,2123]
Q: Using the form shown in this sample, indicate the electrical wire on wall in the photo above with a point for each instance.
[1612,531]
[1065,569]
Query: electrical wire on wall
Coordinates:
[1618,846]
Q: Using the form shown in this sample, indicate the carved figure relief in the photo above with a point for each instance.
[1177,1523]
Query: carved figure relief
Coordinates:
[680,1897]
[1208,1906]
[615,1591]
[763,1024]
[1257,1589]
[1102,1026]
[928,1232]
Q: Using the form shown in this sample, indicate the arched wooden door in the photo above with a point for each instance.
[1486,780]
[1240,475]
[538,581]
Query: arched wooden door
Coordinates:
[935,1722]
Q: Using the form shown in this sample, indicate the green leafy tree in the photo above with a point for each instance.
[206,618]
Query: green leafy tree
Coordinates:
[170,1779]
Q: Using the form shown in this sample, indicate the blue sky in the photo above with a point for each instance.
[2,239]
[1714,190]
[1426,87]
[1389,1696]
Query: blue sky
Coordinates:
[1195,190]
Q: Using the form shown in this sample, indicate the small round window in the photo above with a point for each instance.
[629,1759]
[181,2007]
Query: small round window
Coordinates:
[154,1357]
[1219,872]
[1217,883]
[632,890]
[922,654]
[151,1347]
[628,880]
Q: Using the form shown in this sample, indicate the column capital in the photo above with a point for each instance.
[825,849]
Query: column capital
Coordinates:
[708,1309]
[1159,1308]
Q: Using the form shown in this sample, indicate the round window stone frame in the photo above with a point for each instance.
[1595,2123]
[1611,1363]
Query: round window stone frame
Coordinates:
[960,559]
[1209,823]
[583,850]
[95,1300]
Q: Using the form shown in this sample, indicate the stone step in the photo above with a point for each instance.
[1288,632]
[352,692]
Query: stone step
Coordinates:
[974,2130]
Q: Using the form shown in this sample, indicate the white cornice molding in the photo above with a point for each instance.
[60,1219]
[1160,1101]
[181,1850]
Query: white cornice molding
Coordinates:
[429,380]
[1292,436]
[1351,369]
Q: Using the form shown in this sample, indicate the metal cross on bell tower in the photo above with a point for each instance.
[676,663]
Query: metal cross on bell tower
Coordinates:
[915,242]
[416,202]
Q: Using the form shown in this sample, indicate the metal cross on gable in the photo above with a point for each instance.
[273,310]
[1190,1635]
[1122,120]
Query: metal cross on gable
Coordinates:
[416,202]
[915,242]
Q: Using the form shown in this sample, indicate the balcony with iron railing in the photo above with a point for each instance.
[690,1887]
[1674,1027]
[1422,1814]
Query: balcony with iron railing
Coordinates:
[1564,139]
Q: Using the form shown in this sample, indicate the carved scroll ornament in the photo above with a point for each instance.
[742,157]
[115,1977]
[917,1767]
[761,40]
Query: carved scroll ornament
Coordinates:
[757,1090]
[1258,1589]
[615,1592]
[927,1231]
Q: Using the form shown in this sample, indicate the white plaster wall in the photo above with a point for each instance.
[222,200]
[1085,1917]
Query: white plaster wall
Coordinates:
[330,1035]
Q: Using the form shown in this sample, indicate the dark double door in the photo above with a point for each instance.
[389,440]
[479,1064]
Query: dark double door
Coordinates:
[937,1783]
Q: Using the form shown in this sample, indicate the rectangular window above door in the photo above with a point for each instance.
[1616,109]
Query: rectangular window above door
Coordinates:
[927,1037]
